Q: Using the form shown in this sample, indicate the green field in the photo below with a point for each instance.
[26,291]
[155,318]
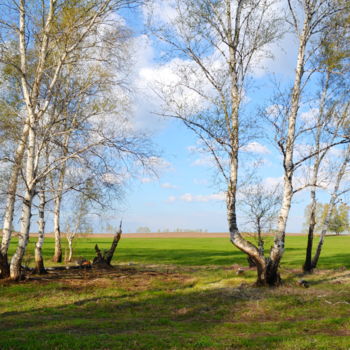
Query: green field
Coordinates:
[179,294]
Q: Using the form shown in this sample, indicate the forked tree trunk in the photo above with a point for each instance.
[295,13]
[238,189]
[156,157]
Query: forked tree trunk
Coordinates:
[39,261]
[103,259]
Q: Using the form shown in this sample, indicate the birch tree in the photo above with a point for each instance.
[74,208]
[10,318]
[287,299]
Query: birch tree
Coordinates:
[51,42]
[315,14]
[217,45]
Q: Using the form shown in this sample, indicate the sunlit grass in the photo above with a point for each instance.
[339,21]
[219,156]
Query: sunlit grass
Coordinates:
[179,294]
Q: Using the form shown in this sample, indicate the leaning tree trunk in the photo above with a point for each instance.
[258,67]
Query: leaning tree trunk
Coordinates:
[39,261]
[232,125]
[272,275]
[307,267]
[235,236]
[10,203]
[103,259]
[16,261]
[331,206]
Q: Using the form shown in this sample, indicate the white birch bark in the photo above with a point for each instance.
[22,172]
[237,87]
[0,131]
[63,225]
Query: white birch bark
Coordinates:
[10,201]
[15,266]
[236,238]
[277,250]
[30,91]
[39,261]
[57,203]
[56,217]
[31,101]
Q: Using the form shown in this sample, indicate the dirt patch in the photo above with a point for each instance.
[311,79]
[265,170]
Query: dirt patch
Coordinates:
[131,279]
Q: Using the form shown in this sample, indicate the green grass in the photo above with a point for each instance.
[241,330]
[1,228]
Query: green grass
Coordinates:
[197,251]
[179,294]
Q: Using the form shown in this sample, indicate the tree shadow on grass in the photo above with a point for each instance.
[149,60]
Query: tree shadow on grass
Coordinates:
[334,261]
[165,318]
[190,320]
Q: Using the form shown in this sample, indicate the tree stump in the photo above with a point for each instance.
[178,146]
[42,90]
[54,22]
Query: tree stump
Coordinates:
[103,258]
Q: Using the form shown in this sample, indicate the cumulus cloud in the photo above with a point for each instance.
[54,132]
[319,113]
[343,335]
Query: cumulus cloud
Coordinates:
[256,147]
[115,179]
[309,117]
[204,160]
[272,182]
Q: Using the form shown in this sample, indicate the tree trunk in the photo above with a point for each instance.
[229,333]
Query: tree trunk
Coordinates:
[16,261]
[104,259]
[39,261]
[277,251]
[307,267]
[232,125]
[334,196]
[57,215]
[10,203]
[70,245]
[57,232]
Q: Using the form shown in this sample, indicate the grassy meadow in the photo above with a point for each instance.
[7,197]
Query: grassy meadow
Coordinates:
[179,293]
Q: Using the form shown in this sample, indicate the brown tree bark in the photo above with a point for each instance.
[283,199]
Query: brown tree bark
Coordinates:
[103,259]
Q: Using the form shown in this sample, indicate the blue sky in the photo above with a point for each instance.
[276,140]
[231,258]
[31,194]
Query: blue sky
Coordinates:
[185,194]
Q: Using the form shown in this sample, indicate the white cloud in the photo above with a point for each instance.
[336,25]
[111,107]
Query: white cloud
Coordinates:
[146,180]
[168,185]
[158,163]
[256,147]
[171,199]
[274,110]
[309,117]
[162,11]
[204,160]
[272,182]
[115,179]
[188,197]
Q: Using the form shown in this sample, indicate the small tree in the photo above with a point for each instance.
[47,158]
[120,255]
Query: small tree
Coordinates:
[339,221]
[261,206]
[77,223]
